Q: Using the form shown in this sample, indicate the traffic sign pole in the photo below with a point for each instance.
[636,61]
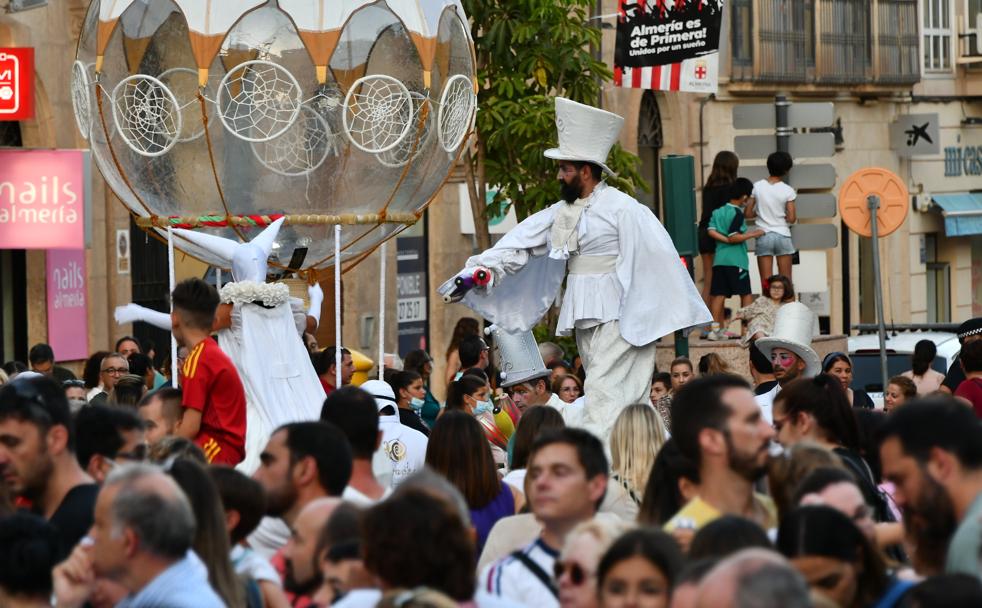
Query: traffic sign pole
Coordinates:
[873,201]
[781,106]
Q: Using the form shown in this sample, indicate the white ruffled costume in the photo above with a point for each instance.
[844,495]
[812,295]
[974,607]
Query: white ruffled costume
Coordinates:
[626,286]
[263,340]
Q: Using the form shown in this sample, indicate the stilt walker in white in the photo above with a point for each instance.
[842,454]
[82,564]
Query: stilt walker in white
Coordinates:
[261,333]
[626,285]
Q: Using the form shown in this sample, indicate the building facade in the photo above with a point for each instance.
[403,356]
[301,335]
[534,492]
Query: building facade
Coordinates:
[876,62]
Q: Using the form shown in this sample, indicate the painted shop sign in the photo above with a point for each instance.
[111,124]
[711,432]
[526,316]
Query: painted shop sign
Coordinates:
[43,199]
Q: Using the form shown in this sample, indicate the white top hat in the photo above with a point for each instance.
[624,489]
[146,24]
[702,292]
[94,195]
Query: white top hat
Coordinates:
[793,327]
[585,133]
[517,356]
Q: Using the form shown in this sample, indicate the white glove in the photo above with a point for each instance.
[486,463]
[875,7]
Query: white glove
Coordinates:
[131,313]
[316,295]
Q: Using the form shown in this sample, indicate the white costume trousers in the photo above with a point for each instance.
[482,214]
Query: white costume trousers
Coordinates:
[617,375]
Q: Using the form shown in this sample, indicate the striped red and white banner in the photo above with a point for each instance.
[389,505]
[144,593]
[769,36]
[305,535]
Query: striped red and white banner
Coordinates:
[659,77]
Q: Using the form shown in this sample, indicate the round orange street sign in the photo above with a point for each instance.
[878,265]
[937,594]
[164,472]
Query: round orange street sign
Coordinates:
[854,207]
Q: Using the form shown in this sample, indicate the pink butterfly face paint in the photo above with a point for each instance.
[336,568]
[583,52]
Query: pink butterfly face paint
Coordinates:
[782,359]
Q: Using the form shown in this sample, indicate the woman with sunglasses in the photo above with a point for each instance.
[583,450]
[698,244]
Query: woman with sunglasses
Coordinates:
[576,568]
[639,570]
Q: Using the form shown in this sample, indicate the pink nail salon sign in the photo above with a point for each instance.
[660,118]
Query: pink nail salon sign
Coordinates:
[44,199]
[68,319]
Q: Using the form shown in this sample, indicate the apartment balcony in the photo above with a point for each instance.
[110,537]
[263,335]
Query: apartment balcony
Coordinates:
[861,45]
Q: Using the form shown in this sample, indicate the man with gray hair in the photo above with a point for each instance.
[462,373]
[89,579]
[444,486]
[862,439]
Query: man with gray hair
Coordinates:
[550,352]
[753,578]
[140,539]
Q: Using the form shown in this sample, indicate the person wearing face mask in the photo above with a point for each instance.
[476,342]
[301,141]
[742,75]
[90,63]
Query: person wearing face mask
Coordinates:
[472,395]
[410,395]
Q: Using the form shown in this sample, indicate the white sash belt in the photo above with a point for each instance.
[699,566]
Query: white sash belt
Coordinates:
[592,264]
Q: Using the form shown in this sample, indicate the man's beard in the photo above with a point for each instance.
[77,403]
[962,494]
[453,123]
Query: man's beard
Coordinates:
[745,465]
[930,521]
[291,584]
[571,191]
[281,500]
[34,481]
[791,373]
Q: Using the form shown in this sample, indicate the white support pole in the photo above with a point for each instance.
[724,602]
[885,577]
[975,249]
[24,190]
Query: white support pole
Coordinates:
[172,280]
[218,278]
[381,311]
[337,306]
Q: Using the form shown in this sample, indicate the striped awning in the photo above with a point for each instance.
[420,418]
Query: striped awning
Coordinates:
[962,212]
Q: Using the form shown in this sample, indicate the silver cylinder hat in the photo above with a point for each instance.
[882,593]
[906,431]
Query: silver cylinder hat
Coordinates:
[516,355]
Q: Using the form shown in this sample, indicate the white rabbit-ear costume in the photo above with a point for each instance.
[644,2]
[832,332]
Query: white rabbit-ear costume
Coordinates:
[247,260]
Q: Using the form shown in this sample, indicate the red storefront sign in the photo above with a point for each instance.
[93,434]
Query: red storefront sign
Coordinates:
[16,83]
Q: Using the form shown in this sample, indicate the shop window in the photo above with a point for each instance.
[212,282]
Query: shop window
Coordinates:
[937,32]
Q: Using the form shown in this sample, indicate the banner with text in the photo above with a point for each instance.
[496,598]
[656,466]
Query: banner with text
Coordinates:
[43,199]
[68,319]
[668,45]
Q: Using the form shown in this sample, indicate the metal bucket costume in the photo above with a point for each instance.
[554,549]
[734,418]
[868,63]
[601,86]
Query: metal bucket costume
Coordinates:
[626,286]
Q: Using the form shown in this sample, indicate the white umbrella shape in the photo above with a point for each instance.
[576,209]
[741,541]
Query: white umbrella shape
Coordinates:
[208,23]
[140,22]
[422,21]
[319,24]
[109,13]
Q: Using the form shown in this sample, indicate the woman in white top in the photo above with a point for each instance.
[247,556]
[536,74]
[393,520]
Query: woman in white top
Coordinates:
[637,436]
[926,380]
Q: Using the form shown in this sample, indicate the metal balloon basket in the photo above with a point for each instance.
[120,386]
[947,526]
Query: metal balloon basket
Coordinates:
[224,116]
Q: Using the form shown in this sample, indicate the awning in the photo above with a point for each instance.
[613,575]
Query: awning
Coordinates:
[962,212]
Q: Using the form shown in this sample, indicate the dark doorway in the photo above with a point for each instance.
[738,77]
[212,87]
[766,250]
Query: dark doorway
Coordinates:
[13,278]
[150,288]
[650,143]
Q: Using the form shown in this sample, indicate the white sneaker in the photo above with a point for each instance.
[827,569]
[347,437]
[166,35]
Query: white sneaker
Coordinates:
[716,336]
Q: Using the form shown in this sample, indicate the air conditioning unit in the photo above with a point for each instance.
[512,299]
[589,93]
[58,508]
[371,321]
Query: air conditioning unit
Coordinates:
[16,6]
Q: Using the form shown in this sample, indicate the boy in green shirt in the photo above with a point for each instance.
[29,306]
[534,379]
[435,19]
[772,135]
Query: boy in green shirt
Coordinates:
[731,266]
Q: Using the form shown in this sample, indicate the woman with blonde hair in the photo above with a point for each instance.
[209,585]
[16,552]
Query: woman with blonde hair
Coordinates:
[635,440]
[576,568]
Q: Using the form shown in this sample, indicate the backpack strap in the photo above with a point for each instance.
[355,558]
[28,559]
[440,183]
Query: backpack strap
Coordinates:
[537,571]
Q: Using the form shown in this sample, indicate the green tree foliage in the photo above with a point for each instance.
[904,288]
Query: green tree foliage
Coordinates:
[529,52]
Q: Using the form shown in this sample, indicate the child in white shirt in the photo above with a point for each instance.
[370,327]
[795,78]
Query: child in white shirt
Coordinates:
[772,205]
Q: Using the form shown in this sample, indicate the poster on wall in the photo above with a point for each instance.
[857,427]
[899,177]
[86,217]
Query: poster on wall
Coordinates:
[68,319]
[668,45]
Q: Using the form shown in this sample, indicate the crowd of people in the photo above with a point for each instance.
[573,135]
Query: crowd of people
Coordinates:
[791,490]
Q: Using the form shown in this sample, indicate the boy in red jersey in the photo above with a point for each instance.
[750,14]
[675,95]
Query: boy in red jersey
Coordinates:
[214,402]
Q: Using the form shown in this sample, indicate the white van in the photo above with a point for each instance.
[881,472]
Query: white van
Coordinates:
[864,350]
